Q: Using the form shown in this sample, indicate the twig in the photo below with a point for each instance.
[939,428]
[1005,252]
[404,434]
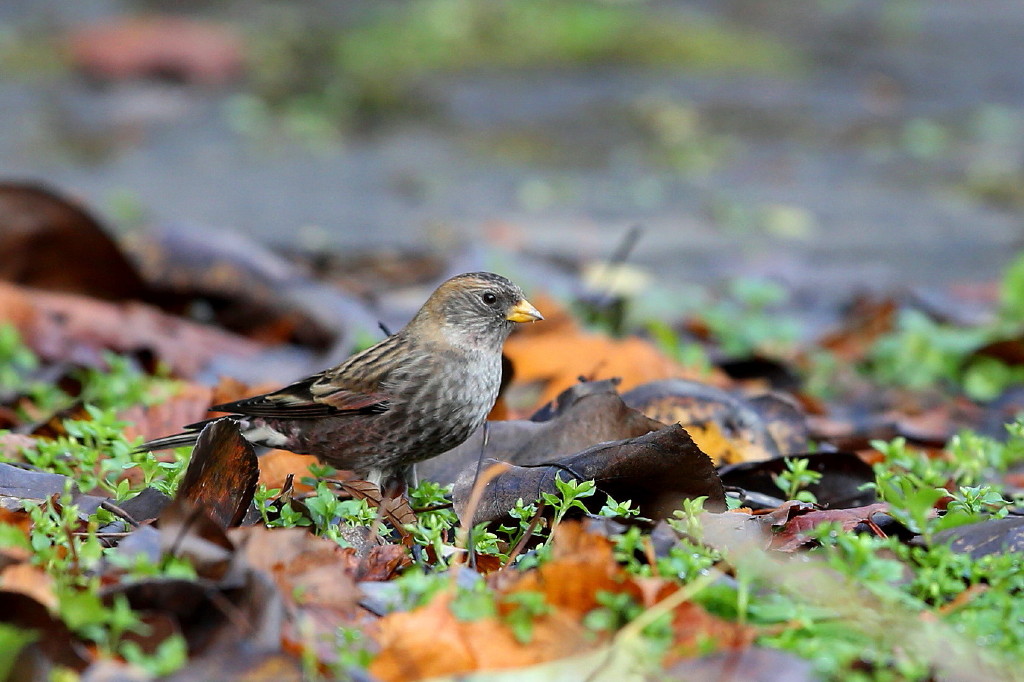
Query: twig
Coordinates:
[466,522]
[618,257]
[120,513]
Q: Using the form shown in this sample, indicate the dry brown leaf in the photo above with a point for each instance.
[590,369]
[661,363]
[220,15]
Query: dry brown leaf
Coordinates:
[313,574]
[11,445]
[30,580]
[866,321]
[158,46]
[188,406]
[21,520]
[694,628]
[431,641]
[222,473]
[77,329]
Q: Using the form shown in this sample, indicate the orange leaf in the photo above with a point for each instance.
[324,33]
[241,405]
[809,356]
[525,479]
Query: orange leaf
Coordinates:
[431,641]
[557,359]
[31,580]
[276,465]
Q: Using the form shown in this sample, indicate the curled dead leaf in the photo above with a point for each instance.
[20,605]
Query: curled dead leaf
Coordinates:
[222,473]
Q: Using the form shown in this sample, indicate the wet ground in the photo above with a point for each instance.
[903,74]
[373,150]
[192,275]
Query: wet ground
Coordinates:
[892,156]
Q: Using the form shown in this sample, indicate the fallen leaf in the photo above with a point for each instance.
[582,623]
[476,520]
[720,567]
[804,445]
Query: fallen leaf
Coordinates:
[189,405]
[561,354]
[222,473]
[186,49]
[582,564]
[248,287]
[729,428]
[49,242]
[984,538]
[694,629]
[189,531]
[656,471]
[77,329]
[586,414]
[277,465]
[17,484]
[793,533]
[843,476]
[866,320]
[29,580]
[55,645]
[431,641]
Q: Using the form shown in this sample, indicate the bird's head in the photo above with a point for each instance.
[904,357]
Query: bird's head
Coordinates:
[476,310]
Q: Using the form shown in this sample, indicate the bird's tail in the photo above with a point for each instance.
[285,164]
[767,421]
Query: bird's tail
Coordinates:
[176,440]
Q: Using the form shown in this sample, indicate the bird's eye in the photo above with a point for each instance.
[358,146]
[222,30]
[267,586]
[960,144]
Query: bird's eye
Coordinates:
[489,298]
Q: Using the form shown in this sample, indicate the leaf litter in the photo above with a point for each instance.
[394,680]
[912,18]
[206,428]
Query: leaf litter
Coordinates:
[638,514]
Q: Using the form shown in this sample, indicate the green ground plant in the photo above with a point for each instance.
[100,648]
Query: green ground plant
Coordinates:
[893,579]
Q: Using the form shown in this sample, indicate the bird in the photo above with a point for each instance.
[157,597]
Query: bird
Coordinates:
[414,395]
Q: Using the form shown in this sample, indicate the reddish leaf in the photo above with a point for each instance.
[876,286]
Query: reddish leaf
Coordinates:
[191,404]
[69,328]
[794,533]
[185,49]
[49,242]
[221,477]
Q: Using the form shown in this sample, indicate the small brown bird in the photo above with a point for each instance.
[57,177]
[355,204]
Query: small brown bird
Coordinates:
[413,396]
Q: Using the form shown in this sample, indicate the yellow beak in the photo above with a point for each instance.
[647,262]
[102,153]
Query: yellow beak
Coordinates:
[523,311]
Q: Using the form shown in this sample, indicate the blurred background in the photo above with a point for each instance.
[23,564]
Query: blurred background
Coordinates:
[829,144]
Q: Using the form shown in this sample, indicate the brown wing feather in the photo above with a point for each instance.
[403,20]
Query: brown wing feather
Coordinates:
[297,401]
[352,386]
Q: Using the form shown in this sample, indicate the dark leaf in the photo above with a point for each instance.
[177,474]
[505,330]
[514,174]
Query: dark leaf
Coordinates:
[843,475]
[656,471]
[49,242]
[585,415]
[992,536]
[55,645]
[762,370]
[249,287]
[211,618]
[188,531]
[221,477]
[145,506]
[18,484]
[784,420]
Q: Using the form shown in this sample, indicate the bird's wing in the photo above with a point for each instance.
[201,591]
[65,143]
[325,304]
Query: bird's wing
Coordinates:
[314,396]
[353,386]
